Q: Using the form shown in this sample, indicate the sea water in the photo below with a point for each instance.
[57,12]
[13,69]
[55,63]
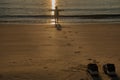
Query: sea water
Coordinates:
[40,11]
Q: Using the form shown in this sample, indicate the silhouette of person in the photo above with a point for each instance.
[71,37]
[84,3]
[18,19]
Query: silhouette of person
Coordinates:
[56,14]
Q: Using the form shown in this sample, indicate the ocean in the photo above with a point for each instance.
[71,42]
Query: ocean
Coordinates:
[72,11]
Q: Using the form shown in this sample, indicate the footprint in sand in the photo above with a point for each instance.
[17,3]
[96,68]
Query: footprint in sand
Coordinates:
[13,62]
[72,40]
[30,59]
[64,32]
[69,31]
[77,52]
[49,37]
[69,44]
[89,59]
[71,35]
[45,68]
[76,32]
[80,47]
[66,37]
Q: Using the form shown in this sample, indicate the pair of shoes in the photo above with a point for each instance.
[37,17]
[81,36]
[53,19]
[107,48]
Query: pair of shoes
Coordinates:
[108,69]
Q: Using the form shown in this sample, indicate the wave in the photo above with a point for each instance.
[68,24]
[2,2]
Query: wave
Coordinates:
[90,16]
[47,9]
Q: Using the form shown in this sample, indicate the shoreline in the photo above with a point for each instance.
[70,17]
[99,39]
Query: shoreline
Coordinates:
[47,24]
[78,23]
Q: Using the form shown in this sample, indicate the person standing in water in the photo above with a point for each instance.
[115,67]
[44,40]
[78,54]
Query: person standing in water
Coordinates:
[56,14]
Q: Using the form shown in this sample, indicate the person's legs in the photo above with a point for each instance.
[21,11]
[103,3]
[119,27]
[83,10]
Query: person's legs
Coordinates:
[56,19]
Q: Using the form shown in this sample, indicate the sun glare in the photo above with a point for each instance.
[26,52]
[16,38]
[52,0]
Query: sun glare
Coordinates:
[53,4]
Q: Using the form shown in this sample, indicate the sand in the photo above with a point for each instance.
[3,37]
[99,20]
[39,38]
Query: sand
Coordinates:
[41,52]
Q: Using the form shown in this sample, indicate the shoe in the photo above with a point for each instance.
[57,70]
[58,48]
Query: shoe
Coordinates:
[109,69]
[92,69]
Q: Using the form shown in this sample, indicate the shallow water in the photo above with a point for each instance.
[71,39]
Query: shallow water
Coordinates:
[26,8]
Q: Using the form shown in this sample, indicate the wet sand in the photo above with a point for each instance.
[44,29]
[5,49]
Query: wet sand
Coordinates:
[41,52]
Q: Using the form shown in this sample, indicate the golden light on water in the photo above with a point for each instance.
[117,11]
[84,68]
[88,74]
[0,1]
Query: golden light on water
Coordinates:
[53,4]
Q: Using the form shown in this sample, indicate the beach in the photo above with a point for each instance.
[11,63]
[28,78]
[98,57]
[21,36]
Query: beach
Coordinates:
[41,52]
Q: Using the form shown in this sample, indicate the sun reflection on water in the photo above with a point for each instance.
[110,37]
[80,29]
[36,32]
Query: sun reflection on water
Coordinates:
[53,4]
